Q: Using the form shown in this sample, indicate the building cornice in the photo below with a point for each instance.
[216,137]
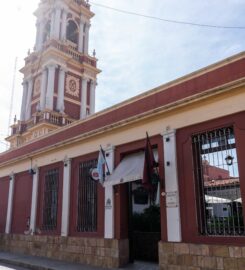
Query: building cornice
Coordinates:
[207,95]
[206,83]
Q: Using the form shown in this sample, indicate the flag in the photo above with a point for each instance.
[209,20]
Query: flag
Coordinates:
[101,165]
[150,175]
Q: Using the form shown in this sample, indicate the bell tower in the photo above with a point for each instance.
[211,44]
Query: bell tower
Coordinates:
[59,75]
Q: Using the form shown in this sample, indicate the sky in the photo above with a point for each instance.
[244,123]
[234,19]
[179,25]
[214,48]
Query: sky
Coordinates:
[135,54]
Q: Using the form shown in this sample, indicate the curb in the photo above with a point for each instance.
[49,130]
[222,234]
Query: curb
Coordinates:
[25,265]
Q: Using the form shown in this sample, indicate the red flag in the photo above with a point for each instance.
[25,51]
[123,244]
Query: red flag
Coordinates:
[149,166]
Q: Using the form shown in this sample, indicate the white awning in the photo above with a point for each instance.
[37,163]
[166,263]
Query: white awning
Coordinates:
[129,169]
[239,200]
[216,200]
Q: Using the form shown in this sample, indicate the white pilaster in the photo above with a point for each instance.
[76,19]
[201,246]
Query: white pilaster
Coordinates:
[61,90]
[86,41]
[38,26]
[41,36]
[28,102]
[81,36]
[50,87]
[57,23]
[109,196]
[52,24]
[43,89]
[92,96]
[34,199]
[24,99]
[171,187]
[63,25]
[66,197]
[84,85]
[10,204]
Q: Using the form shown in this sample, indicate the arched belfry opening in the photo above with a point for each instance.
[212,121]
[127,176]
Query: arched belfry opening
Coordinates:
[72,32]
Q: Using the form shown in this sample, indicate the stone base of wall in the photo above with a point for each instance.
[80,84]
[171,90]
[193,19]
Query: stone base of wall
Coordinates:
[180,256]
[98,252]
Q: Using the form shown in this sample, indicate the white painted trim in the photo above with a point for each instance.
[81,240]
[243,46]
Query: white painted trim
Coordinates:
[24,98]
[61,90]
[109,197]
[83,97]
[50,87]
[34,199]
[10,204]
[57,23]
[66,198]
[38,30]
[28,103]
[43,89]
[63,25]
[81,37]
[92,97]
[171,187]
[52,26]
[86,41]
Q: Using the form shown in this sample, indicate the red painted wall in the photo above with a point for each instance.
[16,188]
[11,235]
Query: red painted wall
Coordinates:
[203,82]
[41,189]
[73,110]
[88,93]
[187,182]
[74,194]
[21,202]
[33,108]
[56,81]
[4,191]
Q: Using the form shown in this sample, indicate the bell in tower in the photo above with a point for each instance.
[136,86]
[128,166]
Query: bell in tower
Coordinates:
[59,75]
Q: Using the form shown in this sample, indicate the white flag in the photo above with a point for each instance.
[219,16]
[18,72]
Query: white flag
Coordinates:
[101,165]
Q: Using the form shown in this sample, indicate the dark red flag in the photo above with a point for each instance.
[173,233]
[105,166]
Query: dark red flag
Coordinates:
[149,166]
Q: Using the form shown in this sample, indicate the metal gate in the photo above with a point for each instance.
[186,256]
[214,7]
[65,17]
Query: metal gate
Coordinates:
[144,225]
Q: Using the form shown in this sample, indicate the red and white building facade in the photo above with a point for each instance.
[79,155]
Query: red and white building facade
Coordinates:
[51,207]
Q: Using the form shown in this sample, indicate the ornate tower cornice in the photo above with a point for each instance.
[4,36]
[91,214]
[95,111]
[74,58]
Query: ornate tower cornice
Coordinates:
[59,75]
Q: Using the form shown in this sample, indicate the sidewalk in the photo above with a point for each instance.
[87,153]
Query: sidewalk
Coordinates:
[38,263]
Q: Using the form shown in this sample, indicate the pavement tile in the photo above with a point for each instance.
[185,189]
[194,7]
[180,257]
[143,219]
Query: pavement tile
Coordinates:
[38,263]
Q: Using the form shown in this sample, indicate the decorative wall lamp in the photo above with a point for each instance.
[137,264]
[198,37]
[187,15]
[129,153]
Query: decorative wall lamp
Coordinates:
[229,160]
[32,172]
[66,161]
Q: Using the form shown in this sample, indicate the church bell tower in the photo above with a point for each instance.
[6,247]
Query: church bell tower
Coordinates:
[59,75]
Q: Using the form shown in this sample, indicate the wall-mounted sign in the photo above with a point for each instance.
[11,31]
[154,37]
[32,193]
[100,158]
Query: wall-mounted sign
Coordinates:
[94,174]
[108,204]
[172,199]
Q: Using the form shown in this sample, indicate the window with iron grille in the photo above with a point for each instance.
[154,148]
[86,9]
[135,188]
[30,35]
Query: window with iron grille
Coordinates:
[87,198]
[50,206]
[219,202]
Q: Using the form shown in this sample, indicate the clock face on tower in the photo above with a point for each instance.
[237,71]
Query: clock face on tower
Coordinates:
[72,86]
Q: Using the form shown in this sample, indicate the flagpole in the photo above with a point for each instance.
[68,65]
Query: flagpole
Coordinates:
[103,153]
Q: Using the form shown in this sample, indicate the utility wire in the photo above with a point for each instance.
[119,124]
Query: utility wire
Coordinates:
[168,20]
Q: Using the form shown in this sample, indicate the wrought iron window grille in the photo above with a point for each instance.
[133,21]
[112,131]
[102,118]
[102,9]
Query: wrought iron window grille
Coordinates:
[218,195]
[87,203]
[50,206]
